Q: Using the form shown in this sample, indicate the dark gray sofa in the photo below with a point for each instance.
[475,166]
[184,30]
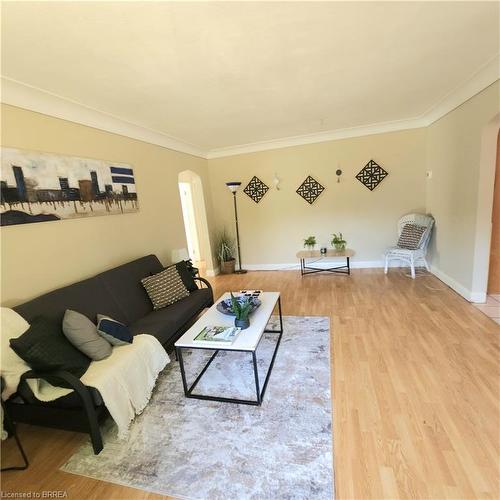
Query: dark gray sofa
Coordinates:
[119,294]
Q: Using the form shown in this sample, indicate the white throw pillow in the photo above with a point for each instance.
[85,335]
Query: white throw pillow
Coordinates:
[12,366]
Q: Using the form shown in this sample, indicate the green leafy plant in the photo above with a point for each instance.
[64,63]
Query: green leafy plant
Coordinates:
[338,241]
[241,309]
[310,241]
[224,246]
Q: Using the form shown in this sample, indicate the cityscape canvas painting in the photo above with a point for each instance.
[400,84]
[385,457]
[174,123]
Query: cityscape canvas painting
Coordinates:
[39,187]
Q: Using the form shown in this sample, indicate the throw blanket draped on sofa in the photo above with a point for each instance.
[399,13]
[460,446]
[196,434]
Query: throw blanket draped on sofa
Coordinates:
[125,380]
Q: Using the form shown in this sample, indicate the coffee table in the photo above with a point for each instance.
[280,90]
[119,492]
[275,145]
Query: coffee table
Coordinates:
[247,341]
[306,268]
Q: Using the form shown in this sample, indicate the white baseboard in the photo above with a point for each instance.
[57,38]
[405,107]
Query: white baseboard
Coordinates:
[478,297]
[213,272]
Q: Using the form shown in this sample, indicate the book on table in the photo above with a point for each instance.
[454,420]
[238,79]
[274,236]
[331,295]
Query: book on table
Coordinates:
[218,334]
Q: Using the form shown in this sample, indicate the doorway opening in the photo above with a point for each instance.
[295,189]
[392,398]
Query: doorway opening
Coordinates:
[189,218]
[195,220]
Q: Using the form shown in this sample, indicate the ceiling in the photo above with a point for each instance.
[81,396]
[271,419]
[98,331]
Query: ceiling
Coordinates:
[221,74]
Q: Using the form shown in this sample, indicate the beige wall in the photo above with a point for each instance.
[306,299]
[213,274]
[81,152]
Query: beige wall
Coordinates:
[272,230]
[454,155]
[40,257]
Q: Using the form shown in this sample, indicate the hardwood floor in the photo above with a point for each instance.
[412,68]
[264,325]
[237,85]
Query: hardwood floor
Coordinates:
[416,387]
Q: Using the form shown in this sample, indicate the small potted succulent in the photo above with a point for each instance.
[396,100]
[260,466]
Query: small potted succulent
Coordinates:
[310,242]
[224,249]
[241,310]
[338,242]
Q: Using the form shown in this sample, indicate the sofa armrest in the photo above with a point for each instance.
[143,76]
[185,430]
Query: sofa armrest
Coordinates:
[203,281]
[86,398]
[74,382]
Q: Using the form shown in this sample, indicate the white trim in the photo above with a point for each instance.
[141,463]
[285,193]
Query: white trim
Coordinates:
[458,287]
[329,135]
[478,297]
[213,272]
[26,96]
[487,74]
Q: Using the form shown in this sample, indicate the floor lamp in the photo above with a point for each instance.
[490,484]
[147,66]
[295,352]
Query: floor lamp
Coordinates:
[233,187]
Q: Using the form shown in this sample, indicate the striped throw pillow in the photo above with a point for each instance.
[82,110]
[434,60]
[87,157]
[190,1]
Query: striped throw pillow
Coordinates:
[165,287]
[410,236]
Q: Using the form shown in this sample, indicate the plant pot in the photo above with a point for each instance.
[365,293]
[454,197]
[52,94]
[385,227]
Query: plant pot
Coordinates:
[242,323]
[310,247]
[340,247]
[227,266]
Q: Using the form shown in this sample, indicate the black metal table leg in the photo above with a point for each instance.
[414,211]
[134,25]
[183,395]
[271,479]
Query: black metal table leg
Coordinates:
[348,266]
[188,391]
[256,375]
[178,351]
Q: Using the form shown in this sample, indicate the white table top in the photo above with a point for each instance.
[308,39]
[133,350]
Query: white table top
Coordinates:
[247,340]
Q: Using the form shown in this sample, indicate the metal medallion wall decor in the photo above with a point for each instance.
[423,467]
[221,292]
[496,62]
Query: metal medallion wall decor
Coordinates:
[371,175]
[256,189]
[310,189]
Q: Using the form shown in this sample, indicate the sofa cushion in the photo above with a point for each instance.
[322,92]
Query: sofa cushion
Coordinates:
[88,297]
[44,347]
[82,333]
[164,323]
[123,283]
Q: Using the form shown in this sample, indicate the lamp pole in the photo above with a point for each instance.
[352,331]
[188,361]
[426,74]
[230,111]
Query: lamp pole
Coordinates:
[233,187]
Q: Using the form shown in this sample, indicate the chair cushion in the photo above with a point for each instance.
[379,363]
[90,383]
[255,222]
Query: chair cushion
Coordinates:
[165,288]
[82,333]
[411,236]
[45,348]
[165,323]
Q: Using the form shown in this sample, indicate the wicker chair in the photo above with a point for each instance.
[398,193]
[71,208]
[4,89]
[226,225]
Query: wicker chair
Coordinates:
[412,257]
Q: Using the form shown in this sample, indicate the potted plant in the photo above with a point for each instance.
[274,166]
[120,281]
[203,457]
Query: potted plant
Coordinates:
[309,242]
[224,248]
[241,310]
[338,242]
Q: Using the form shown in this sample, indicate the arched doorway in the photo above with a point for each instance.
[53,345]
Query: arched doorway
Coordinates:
[195,220]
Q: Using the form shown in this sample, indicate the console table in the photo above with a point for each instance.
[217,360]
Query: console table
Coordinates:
[303,255]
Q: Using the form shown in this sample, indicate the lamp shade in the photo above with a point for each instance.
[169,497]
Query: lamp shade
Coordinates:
[233,186]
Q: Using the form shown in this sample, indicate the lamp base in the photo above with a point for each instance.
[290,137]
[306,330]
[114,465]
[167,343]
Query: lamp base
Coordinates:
[240,271]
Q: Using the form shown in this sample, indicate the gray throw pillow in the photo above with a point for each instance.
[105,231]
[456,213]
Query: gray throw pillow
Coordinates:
[82,333]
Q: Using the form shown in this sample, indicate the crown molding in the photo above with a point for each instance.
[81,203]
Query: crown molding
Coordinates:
[485,76]
[329,135]
[28,97]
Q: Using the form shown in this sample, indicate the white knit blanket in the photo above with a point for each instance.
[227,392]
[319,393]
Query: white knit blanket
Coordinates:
[125,379]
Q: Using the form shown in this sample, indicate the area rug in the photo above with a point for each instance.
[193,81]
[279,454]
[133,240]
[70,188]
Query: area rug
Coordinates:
[196,449]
